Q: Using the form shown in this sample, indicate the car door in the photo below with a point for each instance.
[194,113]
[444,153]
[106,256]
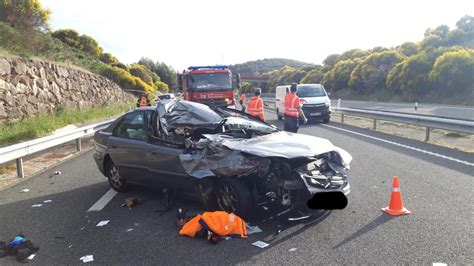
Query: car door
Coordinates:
[128,146]
[165,166]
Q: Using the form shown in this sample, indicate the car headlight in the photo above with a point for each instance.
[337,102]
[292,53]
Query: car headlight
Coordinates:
[327,104]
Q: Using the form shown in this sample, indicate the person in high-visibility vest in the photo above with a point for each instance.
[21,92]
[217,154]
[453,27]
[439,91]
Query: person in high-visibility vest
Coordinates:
[242,101]
[293,110]
[143,100]
[255,105]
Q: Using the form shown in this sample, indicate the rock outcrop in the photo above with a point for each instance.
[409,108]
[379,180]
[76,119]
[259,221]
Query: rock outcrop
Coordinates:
[30,87]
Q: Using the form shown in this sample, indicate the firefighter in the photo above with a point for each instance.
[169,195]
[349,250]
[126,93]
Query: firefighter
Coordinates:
[255,105]
[293,111]
[242,101]
[143,100]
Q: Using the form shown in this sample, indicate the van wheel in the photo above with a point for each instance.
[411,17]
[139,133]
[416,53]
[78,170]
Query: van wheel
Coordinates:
[326,120]
[279,117]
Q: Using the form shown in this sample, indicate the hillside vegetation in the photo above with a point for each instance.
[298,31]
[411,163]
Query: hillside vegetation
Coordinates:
[268,64]
[24,31]
[439,68]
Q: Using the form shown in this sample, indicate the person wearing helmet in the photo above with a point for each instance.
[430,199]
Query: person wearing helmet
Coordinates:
[255,105]
[143,100]
[293,111]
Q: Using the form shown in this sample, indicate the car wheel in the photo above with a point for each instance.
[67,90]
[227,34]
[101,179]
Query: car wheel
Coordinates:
[326,120]
[116,181]
[234,196]
[279,117]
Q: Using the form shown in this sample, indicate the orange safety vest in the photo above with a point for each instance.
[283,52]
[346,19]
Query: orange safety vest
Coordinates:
[255,107]
[292,102]
[143,102]
[242,97]
[219,222]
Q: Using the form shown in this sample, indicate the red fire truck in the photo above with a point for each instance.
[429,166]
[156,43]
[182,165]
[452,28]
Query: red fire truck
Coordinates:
[211,85]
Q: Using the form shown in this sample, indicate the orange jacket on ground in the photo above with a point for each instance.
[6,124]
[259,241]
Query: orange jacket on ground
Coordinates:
[255,107]
[218,222]
[292,102]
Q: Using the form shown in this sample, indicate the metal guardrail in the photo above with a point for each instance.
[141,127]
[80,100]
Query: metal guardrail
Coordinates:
[20,150]
[429,122]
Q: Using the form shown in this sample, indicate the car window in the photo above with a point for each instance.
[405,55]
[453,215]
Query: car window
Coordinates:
[132,126]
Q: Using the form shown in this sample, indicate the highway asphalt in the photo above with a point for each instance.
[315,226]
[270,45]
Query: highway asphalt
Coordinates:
[436,185]
[460,112]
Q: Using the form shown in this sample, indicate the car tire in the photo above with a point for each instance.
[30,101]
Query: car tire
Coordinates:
[116,181]
[326,120]
[279,117]
[234,196]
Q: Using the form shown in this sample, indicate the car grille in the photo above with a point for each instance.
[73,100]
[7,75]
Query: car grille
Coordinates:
[314,108]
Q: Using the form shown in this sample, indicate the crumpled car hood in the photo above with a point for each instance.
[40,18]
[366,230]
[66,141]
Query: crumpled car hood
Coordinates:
[282,144]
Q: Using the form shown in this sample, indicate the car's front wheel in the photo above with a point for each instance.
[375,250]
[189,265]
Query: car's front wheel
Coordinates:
[116,181]
[326,120]
[234,196]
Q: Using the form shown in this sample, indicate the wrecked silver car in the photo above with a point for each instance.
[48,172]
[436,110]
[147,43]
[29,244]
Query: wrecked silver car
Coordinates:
[230,160]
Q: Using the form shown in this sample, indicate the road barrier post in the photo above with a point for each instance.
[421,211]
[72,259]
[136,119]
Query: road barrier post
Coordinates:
[338,103]
[19,167]
[374,127]
[427,134]
[78,144]
[342,118]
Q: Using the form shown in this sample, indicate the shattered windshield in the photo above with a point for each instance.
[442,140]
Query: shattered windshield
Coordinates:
[210,81]
[245,123]
[184,113]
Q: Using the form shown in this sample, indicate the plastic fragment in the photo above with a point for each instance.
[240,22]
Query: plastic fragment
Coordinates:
[292,249]
[31,256]
[47,201]
[102,223]
[24,190]
[252,229]
[36,205]
[129,229]
[260,244]
[87,258]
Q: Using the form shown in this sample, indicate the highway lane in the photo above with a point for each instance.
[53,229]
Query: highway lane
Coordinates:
[460,112]
[435,189]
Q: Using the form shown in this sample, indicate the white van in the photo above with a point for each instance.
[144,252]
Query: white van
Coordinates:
[314,99]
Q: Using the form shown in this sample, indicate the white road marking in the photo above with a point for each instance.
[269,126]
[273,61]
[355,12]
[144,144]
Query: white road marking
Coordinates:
[404,146]
[103,201]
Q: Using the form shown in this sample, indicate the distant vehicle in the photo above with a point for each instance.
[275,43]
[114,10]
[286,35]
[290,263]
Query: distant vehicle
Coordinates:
[313,97]
[166,96]
[210,85]
[230,160]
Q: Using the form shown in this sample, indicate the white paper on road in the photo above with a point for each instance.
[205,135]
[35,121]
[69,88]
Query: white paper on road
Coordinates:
[87,258]
[36,205]
[260,244]
[439,264]
[102,223]
[129,229]
[252,229]
[31,256]
[47,201]
[292,249]
[24,190]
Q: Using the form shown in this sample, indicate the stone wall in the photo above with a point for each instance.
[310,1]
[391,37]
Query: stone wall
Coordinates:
[29,87]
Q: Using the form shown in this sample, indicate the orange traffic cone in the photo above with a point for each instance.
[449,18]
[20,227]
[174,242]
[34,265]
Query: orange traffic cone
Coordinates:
[396,204]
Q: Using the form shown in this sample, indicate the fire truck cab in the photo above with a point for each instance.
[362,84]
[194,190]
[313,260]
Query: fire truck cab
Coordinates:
[210,85]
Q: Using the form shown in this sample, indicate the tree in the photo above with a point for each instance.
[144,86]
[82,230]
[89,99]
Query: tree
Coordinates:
[331,60]
[408,48]
[90,46]
[166,73]
[338,77]
[353,54]
[82,42]
[108,58]
[25,14]
[466,24]
[453,72]
[314,76]
[370,75]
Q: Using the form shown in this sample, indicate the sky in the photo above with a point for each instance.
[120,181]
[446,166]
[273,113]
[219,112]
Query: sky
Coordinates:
[208,32]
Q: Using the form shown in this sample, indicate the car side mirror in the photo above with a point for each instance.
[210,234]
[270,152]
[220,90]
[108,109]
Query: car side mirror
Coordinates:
[329,94]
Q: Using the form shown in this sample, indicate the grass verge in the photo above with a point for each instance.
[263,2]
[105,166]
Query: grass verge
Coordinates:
[40,125]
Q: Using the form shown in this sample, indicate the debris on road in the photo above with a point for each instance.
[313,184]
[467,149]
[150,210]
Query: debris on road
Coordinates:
[57,173]
[129,230]
[439,264]
[130,202]
[260,244]
[102,223]
[31,256]
[24,190]
[252,229]
[36,205]
[18,246]
[180,217]
[47,201]
[217,224]
[292,249]
[87,258]
[59,237]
